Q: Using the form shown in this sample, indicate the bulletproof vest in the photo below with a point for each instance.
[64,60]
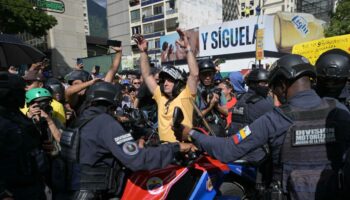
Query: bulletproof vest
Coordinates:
[240,113]
[306,153]
[91,178]
[70,140]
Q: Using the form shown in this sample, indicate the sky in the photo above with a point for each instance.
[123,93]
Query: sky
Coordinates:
[101,2]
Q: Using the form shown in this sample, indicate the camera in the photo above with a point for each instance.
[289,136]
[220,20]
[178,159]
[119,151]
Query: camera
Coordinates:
[45,106]
[209,94]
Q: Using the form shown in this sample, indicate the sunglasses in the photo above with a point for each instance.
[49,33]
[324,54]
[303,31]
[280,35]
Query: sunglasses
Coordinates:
[137,83]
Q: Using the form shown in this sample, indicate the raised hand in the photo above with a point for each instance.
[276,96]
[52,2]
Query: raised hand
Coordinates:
[183,41]
[117,49]
[141,42]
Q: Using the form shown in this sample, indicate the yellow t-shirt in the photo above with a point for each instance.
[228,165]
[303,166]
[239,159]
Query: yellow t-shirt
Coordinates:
[165,113]
[58,111]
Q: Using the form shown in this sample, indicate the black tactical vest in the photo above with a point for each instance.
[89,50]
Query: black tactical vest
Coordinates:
[240,111]
[305,156]
[90,178]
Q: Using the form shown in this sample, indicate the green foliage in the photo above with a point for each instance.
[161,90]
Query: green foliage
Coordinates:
[340,20]
[17,16]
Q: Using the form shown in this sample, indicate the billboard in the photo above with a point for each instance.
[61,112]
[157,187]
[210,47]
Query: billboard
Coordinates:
[235,36]
[280,33]
[171,51]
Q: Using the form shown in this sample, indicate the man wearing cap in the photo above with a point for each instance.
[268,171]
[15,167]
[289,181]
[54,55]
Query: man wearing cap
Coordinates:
[34,79]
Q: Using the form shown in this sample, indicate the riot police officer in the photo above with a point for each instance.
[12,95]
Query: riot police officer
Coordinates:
[333,71]
[254,103]
[106,149]
[210,100]
[307,135]
[22,160]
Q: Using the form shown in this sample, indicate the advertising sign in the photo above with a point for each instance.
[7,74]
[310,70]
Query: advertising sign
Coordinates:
[280,33]
[313,49]
[171,51]
[235,36]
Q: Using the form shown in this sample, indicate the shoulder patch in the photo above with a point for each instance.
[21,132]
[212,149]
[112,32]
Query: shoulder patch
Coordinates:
[241,135]
[130,148]
[123,138]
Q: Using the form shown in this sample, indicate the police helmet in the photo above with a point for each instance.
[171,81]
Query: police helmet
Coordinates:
[55,86]
[258,75]
[11,90]
[291,67]
[78,75]
[206,65]
[37,94]
[334,63]
[104,92]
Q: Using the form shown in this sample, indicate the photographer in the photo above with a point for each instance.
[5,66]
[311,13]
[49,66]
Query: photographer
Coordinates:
[38,101]
[210,99]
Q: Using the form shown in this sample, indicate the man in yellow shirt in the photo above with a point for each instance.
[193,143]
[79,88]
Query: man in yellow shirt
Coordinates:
[34,79]
[173,89]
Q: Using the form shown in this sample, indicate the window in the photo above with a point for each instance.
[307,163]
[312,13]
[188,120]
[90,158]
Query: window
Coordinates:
[171,24]
[242,6]
[136,30]
[151,44]
[157,43]
[158,9]
[148,28]
[251,3]
[159,26]
[147,12]
[170,5]
[135,15]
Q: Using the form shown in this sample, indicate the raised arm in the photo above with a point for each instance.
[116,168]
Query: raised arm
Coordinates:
[192,80]
[144,62]
[115,65]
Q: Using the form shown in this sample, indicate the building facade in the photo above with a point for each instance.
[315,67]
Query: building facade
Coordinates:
[67,40]
[230,10]
[321,9]
[119,23]
[265,7]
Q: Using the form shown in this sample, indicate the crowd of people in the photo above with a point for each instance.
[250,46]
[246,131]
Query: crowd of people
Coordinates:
[63,138]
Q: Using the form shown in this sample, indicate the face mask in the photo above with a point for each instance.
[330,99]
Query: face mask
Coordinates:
[262,90]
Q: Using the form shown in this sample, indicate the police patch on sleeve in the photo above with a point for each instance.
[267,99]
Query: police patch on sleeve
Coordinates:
[123,138]
[302,137]
[130,148]
[241,135]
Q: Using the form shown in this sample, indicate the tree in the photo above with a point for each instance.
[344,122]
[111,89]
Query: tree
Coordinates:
[340,20]
[18,16]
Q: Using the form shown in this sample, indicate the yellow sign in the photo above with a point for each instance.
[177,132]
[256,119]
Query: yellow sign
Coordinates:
[260,44]
[313,49]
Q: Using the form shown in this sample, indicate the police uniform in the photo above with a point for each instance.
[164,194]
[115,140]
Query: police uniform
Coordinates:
[22,161]
[249,107]
[105,148]
[272,128]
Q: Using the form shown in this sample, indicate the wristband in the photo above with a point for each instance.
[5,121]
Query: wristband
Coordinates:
[188,49]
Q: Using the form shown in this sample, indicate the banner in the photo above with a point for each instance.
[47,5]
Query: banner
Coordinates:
[260,44]
[313,49]
[235,36]
[171,51]
[281,32]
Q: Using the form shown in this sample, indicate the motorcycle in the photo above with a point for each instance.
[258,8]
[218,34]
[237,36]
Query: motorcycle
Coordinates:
[193,177]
